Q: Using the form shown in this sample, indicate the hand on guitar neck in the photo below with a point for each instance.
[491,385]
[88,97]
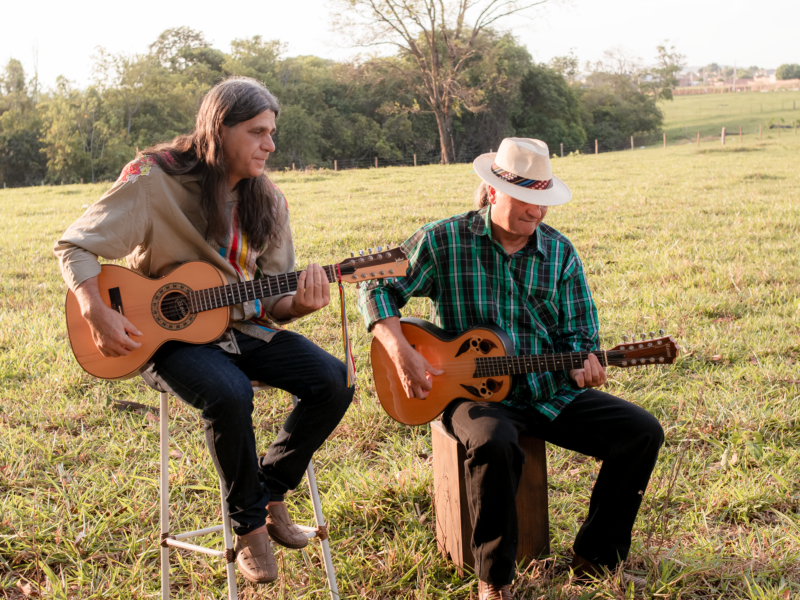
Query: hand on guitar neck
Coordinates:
[313,293]
[592,375]
[111,331]
[415,372]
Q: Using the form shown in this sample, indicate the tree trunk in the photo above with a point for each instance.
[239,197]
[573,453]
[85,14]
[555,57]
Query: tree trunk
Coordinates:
[444,119]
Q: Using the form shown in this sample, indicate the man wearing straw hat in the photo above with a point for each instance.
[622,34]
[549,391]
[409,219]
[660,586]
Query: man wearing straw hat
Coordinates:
[500,264]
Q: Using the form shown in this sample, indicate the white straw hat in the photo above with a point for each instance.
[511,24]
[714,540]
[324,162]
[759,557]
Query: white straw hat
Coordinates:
[521,169]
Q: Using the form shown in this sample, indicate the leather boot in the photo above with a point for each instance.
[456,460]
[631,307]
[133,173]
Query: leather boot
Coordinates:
[255,559]
[282,529]
[488,591]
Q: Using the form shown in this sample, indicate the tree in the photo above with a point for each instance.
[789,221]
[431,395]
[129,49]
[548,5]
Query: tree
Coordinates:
[549,109]
[662,78]
[788,71]
[566,66]
[21,160]
[437,40]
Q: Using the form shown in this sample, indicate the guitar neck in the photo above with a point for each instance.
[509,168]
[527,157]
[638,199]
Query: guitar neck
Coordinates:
[495,366]
[247,291]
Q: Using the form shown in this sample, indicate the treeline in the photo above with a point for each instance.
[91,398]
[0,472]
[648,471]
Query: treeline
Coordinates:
[344,111]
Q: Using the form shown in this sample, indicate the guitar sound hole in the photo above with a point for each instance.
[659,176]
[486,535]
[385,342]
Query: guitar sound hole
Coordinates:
[486,346]
[174,307]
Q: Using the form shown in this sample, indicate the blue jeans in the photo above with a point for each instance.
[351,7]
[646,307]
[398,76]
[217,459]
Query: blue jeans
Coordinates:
[218,383]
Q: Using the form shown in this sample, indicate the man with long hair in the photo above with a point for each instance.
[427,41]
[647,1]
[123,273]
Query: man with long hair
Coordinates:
[205,196]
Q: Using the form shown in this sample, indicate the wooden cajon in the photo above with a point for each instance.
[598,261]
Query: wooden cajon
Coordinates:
[453,527]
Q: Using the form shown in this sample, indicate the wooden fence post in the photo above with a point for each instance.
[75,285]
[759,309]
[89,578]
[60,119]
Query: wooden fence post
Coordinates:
[335,165]
[562,150]
[759,131]
[415,160]
[595,147]
[665,139]
[698,139]
[292,166]
[631,142]
[376,162]
[723,136]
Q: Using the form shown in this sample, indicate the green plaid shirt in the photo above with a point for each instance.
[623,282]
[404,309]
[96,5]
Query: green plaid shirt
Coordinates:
[538,295]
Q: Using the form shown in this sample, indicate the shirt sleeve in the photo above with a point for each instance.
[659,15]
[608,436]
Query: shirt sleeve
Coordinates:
[278,258]
[578,326]
[381,299]
[111,228]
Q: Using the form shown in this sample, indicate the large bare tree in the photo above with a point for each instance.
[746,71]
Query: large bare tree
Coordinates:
[438,38]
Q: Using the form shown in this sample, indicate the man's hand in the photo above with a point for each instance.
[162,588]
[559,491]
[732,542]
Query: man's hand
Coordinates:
[109,328]
[415,372]
[593,374]
[313,292]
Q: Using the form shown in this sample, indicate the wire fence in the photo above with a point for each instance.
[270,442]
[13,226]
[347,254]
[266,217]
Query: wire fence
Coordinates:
[635,142]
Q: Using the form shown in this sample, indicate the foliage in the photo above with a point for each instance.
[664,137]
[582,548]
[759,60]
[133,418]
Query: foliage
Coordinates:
[700,243]
[662,78]
[549,110]
[788,71]
[615,109]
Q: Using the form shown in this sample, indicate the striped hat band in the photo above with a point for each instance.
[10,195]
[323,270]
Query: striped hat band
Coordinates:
[531,184]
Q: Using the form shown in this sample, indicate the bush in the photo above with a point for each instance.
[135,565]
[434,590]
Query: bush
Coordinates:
[788,71]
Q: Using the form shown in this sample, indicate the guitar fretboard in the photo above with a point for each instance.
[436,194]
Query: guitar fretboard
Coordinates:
[494,366]
[247,291]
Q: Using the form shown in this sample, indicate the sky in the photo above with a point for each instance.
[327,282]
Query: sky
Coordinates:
[64,35]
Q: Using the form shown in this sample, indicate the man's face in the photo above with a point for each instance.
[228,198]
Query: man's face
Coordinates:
[248,145]
[516,217]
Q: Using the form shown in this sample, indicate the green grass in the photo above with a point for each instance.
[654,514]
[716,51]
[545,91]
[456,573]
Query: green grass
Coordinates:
[709,113]
[703,244]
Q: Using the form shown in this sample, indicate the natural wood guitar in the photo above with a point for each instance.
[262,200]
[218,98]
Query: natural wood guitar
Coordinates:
[479,364]
[192,304]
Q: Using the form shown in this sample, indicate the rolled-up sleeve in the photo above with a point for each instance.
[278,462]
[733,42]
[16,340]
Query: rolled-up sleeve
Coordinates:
[578,325]
[111,228]
[382,299]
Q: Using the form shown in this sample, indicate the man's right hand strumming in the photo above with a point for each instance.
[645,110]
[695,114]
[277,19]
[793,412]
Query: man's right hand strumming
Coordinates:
[109,328]
[416,373]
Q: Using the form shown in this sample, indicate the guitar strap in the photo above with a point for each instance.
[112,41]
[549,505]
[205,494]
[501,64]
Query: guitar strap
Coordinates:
[348,350]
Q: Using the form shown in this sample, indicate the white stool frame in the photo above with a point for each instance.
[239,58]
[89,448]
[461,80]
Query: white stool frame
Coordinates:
[176,540]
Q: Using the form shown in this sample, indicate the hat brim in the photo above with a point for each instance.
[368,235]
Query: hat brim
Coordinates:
[558,194]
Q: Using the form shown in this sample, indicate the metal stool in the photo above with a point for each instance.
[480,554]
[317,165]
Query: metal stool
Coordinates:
[176,540]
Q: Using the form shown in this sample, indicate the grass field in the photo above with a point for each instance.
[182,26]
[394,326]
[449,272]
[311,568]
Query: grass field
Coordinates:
[702,243]
[709,113]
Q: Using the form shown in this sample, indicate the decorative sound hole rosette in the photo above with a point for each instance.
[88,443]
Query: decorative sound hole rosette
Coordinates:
[170,307]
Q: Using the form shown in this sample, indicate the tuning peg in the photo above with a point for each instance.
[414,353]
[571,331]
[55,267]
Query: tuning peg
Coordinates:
[361,253]
[370,250]
[624,338]
[352,254]
[380,249]
[652,334]
[644,337]
[660,332]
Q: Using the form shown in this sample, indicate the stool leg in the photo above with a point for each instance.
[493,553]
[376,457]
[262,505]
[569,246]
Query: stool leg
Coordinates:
[164,491]
[230,568]
[320,518]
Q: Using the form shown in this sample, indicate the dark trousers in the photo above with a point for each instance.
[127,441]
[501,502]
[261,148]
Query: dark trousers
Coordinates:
[625,437]
[218,383]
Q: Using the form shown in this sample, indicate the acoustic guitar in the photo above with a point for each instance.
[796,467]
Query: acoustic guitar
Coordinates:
[479,365]
[192,304]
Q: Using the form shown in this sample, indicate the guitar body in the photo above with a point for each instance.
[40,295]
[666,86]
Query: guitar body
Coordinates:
[455,355]
[150,304]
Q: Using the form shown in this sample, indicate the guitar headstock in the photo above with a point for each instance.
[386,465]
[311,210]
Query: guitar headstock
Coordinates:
[385,263]
[653,351]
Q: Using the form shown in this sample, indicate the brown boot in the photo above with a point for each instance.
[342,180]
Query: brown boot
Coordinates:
[586,570]
[254,558]
[488,591]
[282,529]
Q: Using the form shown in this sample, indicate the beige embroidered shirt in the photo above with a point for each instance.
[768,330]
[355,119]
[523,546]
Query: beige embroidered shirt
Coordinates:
[155,222]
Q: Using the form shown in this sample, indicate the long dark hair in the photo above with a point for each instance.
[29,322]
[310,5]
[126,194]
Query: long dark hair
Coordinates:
[228,103]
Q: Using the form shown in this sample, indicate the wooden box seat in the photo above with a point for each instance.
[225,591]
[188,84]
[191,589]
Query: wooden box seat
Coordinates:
[453,527]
